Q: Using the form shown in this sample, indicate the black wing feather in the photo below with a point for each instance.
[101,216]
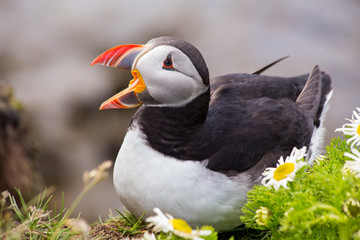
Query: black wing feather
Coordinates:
[259,71]
[309,98]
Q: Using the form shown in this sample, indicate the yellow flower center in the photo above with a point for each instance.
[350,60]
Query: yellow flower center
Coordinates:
[180,225]
[358,129]
[283,170]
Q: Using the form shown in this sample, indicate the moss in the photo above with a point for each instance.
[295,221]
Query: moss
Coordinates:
[313,206]
[8,99]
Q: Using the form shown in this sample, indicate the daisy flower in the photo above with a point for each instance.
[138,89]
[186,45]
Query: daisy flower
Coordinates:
[320,158]
[351,207]
[167,223]
[285,170]
[352,166]
[262,216]
[149,236]
[352,129]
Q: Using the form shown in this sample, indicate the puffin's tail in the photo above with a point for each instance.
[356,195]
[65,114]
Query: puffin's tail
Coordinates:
[314,99]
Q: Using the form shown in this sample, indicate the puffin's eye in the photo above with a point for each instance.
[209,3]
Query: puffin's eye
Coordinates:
[168,64]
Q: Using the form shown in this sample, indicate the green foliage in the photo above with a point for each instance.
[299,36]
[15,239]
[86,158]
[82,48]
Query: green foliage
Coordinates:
[314,206]
[23,220]
[8,97]
[33,219]
[212,236]
[172,236]
[128,225]
[323,202]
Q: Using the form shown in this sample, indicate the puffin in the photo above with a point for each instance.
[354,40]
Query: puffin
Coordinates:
[197,145]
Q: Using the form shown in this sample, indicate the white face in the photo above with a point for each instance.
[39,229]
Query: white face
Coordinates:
[170,87]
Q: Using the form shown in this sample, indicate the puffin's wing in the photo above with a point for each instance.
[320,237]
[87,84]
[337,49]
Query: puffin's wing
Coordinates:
[247,130]
[263,117]
[309,98]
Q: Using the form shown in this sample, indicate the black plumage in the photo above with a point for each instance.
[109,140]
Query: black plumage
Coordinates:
[243,120]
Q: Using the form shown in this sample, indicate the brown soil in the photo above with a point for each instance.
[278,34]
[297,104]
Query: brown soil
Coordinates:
[110,231]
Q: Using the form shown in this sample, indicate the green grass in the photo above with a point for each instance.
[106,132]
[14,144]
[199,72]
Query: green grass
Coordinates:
[128,225]
[317,205]
[21,220]
[34,220]
[124,225]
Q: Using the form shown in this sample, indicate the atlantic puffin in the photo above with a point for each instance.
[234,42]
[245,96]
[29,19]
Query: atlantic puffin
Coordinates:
[196,145]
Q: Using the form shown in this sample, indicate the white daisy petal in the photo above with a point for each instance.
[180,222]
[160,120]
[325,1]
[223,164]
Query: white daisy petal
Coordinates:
[285,171]
[352,129]
[356,115]
[353,143]
[281,161]
[198,238]
[167,223]
[357,141]
[319,159]
[149,236]
[352,166]
[160,223]
[355,154]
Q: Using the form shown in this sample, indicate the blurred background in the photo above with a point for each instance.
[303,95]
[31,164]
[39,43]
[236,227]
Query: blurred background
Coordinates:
[46,48]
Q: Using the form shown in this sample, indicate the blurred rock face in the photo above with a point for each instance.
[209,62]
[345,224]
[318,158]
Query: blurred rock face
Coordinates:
[46,49]
[17,151]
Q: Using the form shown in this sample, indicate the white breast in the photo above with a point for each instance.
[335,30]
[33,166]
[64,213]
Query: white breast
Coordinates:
[145,179]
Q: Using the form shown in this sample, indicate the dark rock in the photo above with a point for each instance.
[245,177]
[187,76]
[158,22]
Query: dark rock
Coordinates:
[17,150]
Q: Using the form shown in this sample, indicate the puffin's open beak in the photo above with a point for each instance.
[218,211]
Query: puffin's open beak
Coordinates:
[123,57]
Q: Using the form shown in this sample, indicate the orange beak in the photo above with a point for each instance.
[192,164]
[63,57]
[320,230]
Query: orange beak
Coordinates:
[123,57]
[127,98]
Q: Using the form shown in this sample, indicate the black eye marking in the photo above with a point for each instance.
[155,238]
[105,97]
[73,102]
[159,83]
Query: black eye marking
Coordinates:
[168,63]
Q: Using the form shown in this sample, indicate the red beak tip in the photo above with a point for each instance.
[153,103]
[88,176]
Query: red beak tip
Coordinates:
[96,61]
[102,107]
